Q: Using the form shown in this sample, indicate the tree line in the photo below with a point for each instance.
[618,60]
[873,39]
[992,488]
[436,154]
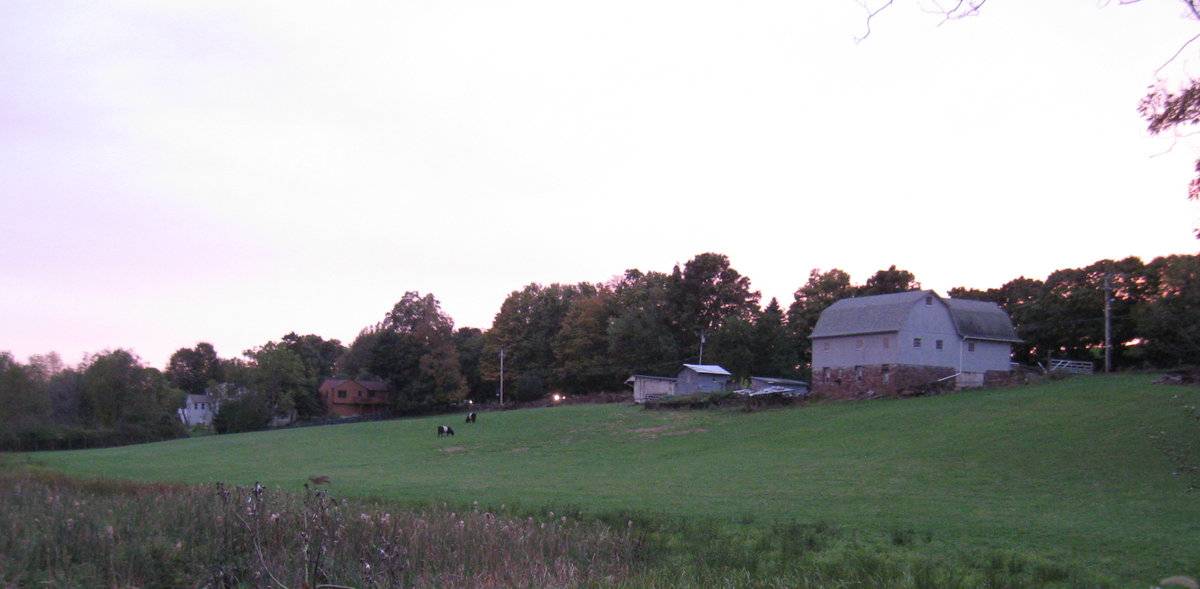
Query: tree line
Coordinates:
[581,338]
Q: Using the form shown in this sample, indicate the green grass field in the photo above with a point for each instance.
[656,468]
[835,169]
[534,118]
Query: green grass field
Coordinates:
[1094,471]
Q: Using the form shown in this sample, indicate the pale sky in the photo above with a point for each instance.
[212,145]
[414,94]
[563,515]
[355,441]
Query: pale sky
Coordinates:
[177,172]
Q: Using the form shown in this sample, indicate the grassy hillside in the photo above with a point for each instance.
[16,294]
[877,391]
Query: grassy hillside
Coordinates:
[1091,470]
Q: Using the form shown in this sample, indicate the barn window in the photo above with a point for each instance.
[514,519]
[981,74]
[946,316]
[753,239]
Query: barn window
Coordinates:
[342,394]
[916,342]
[885,372]
[928,300]
[858,373]
[938,344]
[825,374]
[970,346]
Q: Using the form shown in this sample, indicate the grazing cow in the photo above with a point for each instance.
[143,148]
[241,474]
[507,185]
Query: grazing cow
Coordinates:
[445,430]
[471,417]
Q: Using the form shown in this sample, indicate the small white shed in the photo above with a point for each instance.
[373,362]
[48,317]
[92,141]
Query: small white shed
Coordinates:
[650,388]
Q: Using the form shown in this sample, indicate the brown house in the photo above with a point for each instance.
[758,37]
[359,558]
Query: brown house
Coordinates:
[355,397]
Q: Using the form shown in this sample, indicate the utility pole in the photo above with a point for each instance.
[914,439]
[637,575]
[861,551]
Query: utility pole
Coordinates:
[1107,323]
[501,377]
[701,346]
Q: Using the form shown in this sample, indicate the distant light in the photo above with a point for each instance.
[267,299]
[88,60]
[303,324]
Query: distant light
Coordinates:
[470,402]
[557,397]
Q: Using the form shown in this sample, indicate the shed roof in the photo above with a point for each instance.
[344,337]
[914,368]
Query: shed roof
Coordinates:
[370,385]
[707,369]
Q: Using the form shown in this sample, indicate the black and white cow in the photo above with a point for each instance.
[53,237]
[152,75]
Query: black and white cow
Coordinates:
[445,430]
[471,417]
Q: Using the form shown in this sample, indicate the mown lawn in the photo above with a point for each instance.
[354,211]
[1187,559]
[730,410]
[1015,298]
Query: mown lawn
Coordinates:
[1094,471]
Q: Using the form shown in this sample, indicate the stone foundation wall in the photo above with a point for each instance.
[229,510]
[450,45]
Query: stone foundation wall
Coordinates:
[874,381]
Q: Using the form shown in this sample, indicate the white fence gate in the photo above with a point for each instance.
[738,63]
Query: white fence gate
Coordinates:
[1071,366]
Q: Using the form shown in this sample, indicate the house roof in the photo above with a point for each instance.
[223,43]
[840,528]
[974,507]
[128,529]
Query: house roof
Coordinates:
[707,369]
[370,385]
[887,313]
[981,320]
[870,314]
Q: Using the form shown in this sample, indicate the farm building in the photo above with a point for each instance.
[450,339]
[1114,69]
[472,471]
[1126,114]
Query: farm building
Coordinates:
[198,410]
[886,344]
[650,388]
[691,379]
[701,378]
[355,397]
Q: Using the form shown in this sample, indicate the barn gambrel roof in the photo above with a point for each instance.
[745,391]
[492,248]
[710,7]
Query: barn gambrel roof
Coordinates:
[888,313]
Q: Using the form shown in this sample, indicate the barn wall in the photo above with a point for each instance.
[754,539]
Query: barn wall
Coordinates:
[931,323]
[987,356]
[855,350]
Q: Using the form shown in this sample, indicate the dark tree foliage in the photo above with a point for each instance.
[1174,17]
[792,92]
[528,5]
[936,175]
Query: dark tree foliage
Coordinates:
[1169,319]
[707,293]
[413,348]
[774,352]
[733,347]
[469,342]
[526,327]
[641,336]
[118,390]
[310,359]
[1153,311]
[582,362]
[246,413]
[889,281]
[821,290]
[195,369]
[277,375]
[318,355]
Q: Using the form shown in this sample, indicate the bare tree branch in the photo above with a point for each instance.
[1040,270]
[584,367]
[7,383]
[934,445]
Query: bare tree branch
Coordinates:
[870,15]
[1176,55]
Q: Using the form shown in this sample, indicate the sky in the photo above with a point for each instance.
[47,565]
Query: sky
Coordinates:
[230,172]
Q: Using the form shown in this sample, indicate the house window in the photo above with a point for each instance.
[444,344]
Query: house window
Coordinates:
[342,394]
[886,373]
[970,346]
[928,300]
[858,344]
[938,344]
[916,342]
[858,373]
